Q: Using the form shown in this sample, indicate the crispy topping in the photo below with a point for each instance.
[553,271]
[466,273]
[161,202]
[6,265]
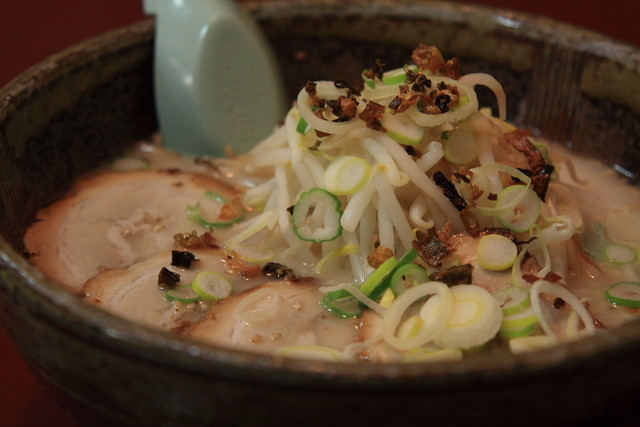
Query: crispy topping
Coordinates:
[379,255]
[231,210]
[242,268]
[182,259]
[372,114]
[429,58]
[405,99]
[449,190]
[282,272]
[167,279]
[376,70]
[540,171]
[456,275]
[439,101]
[193,241]
[432,250]
[344,108]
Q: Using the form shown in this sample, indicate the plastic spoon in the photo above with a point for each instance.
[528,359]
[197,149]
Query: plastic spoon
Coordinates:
[216,83]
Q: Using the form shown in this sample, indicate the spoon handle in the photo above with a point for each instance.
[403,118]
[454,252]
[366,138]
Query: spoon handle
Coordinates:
[215,80]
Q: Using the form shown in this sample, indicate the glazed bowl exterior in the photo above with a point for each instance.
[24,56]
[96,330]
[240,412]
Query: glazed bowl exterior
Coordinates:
[85,105]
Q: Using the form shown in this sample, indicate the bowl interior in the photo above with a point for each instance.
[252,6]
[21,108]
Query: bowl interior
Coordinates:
[85,105]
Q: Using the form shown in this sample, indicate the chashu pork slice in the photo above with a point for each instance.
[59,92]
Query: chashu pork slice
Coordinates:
[115,219]
[272,316]
[134,294]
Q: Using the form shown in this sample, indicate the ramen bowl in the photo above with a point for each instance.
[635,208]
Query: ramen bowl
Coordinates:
[87,104]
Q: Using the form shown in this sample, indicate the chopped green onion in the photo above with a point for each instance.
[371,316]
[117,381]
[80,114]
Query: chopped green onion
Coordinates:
[619,254]
[519,320]
[254,254]
[435,313]
[526,344]
[401,128]
[212,285]
[407,276]
[380,280]
[460,147]
[496,252]
[311,352]
[303,127]
[216,196]
[519,333]
[183,293]
[347,175]
[195,213]
[372,284]
[397,76]
[512,300]
[367,80]
[464,109]
[342,303]
[316,216]
[526,212]
[476,318]
[387,298]
[626,294]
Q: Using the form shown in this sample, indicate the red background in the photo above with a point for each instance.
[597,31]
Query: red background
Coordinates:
[31,30]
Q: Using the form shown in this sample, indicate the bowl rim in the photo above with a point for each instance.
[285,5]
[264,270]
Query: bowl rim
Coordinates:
[162,348]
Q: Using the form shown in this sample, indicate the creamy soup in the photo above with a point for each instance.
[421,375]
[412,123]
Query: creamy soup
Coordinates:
[395,221]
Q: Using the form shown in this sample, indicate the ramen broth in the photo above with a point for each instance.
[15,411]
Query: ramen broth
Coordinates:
[310,247]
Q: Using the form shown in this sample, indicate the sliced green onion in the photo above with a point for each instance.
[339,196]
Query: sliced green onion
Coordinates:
[460,147]
[216,196]
[329,261]
[460,112]
[512,300]
[435,313]
[183,293]
[519,333]
[368,80]
[525,213]
[195,213]
[401,128]
[407,276]
[212,285]
[476,318]
[496,252]
[309,225]
[252,253]
[303,127]
[347,175]
[397,76]
[387,298]
[619,254]
[375,279]
[626,294]
[311,352]
[380,280]
[520,320]
[526,344]
[342,303]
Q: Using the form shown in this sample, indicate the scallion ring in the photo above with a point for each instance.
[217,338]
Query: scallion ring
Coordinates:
[316,216]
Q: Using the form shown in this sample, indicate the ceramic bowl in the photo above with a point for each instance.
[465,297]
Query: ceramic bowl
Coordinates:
[85,105]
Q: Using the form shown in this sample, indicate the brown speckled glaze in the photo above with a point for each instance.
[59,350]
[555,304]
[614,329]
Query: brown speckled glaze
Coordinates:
[84,105]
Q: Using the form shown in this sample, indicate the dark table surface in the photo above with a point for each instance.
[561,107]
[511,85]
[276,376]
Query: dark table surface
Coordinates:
[31,30]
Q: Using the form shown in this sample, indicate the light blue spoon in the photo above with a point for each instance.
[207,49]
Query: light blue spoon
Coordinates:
[216,83]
